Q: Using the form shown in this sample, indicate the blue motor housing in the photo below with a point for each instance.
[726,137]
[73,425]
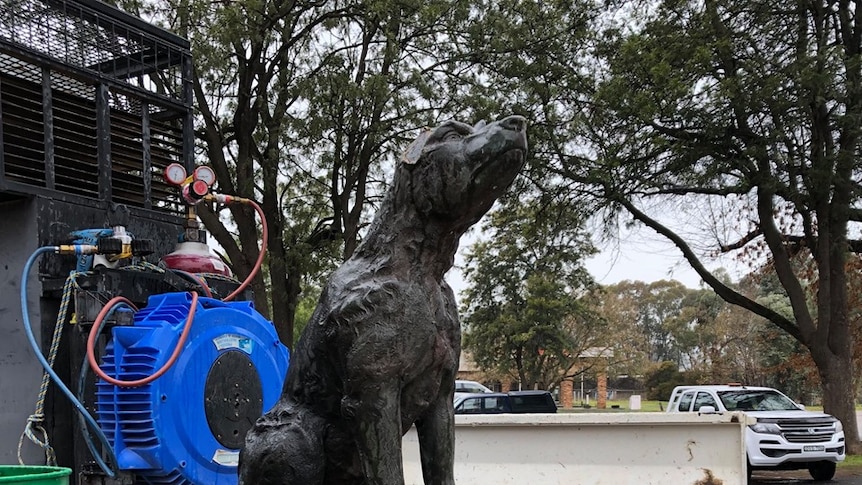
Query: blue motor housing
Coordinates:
[188,426]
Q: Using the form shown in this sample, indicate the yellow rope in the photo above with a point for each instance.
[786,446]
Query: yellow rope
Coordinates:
[34,428]
[34,422]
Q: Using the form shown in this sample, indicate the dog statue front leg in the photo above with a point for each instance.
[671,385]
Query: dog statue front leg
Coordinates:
[437,442]
[378,432]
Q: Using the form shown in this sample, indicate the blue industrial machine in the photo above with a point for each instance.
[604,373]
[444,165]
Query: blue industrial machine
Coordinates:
[188,426]
[180,381]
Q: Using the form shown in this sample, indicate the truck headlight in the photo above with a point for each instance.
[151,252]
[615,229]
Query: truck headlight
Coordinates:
[838,426]
[766,428]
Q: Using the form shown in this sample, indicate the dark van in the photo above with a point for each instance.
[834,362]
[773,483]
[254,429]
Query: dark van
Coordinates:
[511,402]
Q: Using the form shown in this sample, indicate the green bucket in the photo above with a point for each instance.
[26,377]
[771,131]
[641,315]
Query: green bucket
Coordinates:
[34,475]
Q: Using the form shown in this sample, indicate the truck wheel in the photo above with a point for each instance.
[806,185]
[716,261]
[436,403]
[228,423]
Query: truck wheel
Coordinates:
[822,470]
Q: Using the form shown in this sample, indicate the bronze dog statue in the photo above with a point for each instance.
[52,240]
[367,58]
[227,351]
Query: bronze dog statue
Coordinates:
[381,350]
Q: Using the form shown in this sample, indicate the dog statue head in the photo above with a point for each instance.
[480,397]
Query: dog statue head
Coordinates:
[455,172]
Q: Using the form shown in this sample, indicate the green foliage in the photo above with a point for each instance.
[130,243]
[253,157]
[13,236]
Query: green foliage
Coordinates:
[305,309]
[659,382]
[738,118]
[529,313]
[304,107]
[664,321]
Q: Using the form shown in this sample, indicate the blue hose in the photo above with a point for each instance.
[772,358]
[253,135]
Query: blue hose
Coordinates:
[59,382]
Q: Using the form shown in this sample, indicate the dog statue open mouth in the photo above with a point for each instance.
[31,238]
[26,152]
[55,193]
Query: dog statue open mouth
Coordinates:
[381,350]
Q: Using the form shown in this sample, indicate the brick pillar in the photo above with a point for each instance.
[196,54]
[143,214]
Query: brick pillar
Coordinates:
[567,388]
[602,390]
[505,386]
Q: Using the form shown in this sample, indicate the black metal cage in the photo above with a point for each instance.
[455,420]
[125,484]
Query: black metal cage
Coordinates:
[93,103]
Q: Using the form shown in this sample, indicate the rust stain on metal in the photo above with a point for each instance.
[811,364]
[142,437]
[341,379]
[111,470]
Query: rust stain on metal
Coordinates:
[709,479]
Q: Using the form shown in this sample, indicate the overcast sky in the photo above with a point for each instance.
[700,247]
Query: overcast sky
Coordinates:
[639,256]
[641,260]
[636,262]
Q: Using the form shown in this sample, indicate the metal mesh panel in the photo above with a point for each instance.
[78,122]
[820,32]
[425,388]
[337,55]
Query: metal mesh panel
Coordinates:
[50,138]
[80,36]
[33,73]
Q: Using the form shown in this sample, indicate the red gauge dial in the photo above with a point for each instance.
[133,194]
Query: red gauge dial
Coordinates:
[175,174]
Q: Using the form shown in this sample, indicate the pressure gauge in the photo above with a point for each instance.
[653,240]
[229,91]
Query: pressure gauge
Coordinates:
[195,191]
[175,174]
[205,174]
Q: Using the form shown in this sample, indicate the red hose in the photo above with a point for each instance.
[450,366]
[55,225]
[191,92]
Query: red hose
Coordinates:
[94,332]
[259,262]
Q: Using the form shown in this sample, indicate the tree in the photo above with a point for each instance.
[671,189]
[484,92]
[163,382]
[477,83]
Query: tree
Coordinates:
[655,311]
[744,341]
[745,117]
[662,377]
[854,270]
[698,333]
[247,82]
[529,313]
[663,322]
[299,104]
[621,310]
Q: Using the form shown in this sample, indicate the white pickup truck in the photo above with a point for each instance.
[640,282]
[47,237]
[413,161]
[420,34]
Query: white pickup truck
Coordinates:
[785,437]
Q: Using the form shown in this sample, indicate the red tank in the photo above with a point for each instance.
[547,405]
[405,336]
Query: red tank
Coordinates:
[195,257]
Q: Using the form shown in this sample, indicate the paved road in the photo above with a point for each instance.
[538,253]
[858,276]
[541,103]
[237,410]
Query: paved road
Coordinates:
[776,478]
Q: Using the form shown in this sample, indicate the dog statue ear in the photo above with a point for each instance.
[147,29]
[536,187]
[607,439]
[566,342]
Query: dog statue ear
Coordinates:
[479,125]
[413,152]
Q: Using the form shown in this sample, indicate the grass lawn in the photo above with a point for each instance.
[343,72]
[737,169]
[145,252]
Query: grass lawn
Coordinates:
[852,461]
[622,407]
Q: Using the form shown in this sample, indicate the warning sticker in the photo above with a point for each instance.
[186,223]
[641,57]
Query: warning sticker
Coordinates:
[234,341]
[226,457]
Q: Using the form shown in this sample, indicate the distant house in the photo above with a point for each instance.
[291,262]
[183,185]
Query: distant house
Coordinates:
[468,369]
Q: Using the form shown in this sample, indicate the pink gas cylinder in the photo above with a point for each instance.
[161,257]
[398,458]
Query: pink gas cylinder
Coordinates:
[195,257]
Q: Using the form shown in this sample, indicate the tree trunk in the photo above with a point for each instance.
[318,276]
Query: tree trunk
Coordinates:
[836,377]
[285,270]
[285,298]
[244,259]
[282,317]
